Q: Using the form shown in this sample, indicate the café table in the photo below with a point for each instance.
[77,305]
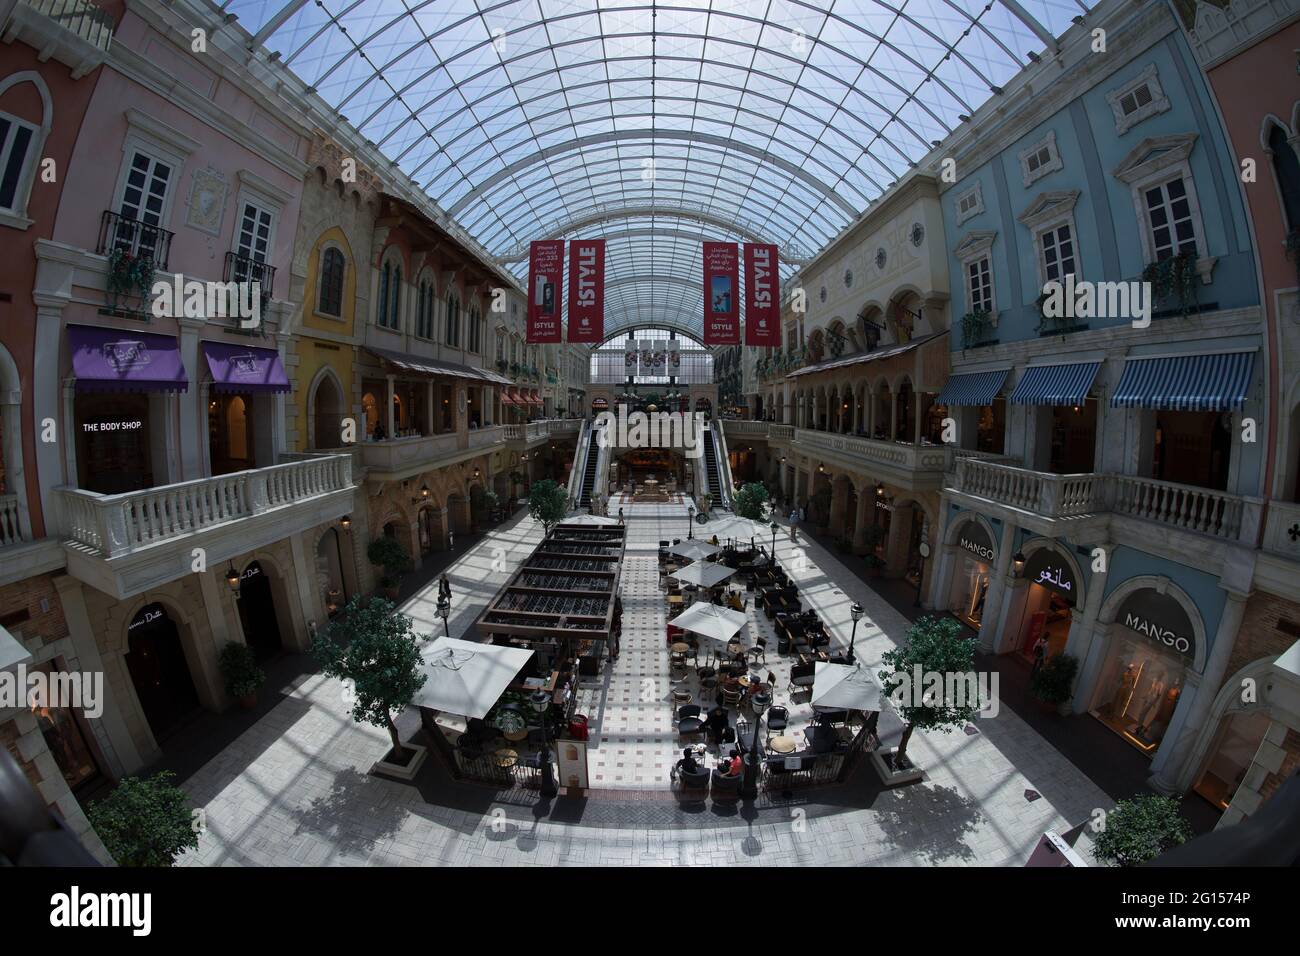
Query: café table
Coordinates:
[506,758]
[782,745]
[680,648]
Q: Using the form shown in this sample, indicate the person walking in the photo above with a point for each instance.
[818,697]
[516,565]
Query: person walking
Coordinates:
[444,587]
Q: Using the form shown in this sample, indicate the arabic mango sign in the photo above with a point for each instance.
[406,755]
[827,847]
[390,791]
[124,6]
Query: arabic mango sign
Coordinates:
[1049,569]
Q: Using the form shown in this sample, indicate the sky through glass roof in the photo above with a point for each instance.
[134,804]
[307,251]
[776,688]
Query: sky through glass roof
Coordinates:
[659,125]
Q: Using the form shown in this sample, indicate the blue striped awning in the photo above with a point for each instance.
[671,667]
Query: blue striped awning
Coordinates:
[1186,383]
[1055,384]
[972,388]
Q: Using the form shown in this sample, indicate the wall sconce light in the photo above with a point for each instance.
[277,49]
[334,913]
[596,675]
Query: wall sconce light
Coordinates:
[821,469]
[346,522]
[476,473]
[1018,562]
[424,492]
[880,490]
[232,579]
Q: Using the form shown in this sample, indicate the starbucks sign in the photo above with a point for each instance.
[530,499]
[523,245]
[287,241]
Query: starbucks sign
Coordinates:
[1159,618]
[973,538]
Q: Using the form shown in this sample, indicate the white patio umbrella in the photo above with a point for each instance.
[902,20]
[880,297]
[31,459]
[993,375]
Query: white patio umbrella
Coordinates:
[590,520]
[710,620]
[704,573]
[694,549]
[845,687]
[731,526]
[466,678]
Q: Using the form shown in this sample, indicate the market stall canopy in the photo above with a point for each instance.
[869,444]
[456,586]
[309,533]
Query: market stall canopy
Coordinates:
[845,687]
[466,678]
[420,365]
[245,368]
[590,521]
[710,620]
[113,360]
[694,549]
[704,573]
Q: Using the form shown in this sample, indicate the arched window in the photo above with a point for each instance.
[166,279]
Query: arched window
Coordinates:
[385,278]
[453,320]
[1286,168]
[395,310]
[329,298]
[424,311]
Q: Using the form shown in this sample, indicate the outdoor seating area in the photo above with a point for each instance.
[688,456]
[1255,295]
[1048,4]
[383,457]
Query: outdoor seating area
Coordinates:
[723,688]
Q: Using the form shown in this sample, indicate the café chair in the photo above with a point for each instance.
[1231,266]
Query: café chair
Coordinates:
[778,719]
[699,780]
[725,787]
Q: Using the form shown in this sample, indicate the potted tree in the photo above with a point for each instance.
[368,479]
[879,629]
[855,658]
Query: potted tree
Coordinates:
[240,672]
[145,822]
[387,553]
[1140,829]
[376,652]
[752,501]
[1052,682]
[547,504]
[947,698]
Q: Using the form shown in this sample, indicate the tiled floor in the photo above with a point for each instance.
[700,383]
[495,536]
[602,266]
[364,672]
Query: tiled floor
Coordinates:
[634,735]
[295,787]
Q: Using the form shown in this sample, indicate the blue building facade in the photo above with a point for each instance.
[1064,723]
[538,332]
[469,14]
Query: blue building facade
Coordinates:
[1111,456]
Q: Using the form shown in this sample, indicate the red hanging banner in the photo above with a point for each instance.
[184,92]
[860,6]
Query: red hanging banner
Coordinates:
[721,294]
[587,290]
[762,295]
[545,274]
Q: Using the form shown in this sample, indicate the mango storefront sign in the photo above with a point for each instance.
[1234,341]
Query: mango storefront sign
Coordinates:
[1159,618]
[1049,569]
[974,539]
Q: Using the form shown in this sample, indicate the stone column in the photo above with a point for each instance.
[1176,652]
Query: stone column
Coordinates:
[431,427]
[940,562]
[1169,771]
[193,404]
[390,419]
[866,501]
[1084,628]
[125,758]
[900,532]
[892,431]
[839,505]
[1000,580]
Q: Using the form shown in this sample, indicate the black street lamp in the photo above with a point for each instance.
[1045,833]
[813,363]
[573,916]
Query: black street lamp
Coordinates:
[856,612]
[541,702]
[444,608]
[774,527]
[690,522]
[758,703]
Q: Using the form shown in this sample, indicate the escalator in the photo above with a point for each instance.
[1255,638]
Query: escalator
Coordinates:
[711,469]
[589,472]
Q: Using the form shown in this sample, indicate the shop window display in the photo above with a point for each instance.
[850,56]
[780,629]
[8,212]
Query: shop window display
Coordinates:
[65,739]
[113,442]
[1235,746]
[1139,689]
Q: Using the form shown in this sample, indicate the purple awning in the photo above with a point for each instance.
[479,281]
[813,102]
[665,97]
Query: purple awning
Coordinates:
[114,360]
[244,368]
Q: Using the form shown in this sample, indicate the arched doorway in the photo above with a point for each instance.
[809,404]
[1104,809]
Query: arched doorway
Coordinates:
[430,529]
[257,612]
[457,514]
[477,506]
[155,659]
[230,433]
[327,414]
[329,572]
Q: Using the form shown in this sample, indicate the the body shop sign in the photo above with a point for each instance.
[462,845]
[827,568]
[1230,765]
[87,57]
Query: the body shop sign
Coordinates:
[973,538]
[721,294]
[762,292]
[1160,618]
[545,275]
[587,290]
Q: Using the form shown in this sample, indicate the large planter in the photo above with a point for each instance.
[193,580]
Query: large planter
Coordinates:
[415,757]
[391,593]
[890,775]
[248,701]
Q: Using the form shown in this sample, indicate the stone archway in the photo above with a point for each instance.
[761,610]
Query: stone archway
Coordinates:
[326,408]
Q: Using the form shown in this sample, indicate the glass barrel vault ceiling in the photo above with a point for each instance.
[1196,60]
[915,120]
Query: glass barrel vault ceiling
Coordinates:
[657,126]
